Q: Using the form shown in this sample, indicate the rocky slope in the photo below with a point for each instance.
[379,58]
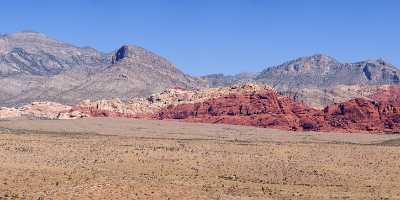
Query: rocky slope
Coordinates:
[34,67]
[33,53]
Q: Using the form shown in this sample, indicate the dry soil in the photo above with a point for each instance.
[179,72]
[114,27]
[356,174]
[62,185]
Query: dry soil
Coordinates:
[137,159]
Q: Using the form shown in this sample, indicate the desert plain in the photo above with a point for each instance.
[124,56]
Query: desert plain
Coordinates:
[111,158]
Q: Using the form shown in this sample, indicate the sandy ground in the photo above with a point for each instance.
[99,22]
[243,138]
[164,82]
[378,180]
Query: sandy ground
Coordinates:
[138,159]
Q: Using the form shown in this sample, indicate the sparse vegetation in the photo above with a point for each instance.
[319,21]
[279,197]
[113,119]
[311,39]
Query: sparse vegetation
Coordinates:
[200,162]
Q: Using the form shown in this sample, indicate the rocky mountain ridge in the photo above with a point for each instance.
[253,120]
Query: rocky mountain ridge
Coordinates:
[318,70]
[34,67]
[320,80]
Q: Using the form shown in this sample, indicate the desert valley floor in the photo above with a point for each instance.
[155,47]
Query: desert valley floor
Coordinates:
[103,158]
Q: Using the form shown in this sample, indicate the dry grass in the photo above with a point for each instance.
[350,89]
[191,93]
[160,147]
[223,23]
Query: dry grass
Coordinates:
[136,159]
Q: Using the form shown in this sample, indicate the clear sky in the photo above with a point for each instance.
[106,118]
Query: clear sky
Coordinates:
[211,36]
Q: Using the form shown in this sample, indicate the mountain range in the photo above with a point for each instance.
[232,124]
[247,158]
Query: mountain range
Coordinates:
[320,80]
[34,67]
[317,71]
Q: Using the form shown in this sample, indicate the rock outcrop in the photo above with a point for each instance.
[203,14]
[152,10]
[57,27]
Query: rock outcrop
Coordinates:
[41,110]
[379,113]
[145,107]
[264,108]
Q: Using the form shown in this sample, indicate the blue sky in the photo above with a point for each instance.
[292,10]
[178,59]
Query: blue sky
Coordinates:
[211,36]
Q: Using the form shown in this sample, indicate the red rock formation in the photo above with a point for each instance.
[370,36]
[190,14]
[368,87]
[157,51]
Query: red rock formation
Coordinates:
[356,114]
[379,114]
[262,109]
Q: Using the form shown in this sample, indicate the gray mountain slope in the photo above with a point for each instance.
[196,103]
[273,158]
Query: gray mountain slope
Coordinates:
[317,71]
[34,67]
[36,54]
